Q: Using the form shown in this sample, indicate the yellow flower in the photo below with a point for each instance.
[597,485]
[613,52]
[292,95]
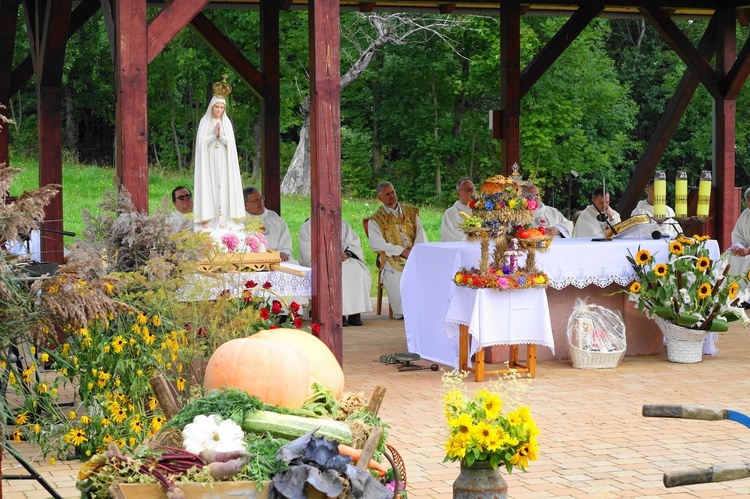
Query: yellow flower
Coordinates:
[119,415]
[493,404]
[11,379]
[26,375]
[117,343]
[17,436]
[107,438]
[676,248]
[37,428]
[703,264]
[72,415]
[106,349]
[181,383]
[52,461]
[484,434]
[661,270]
[156,321]
[635,287]
[42,388]
[136,328]
[87,342]
[77,436]
[455,448]
[642,257]
[157,422]
[105,422]
[733,288]
[704,290]
[22,418]
[512,204]
[523,456]
[457,278]
[141,319]
[45,357]
[83,332]
[136,426]
[132,441]
[85,420]
[109,288]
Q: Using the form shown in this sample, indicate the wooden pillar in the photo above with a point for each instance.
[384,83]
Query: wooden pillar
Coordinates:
[724,113]
[510,84]
[8,22]
[131,64]
[48,22]
[270,152]
[325,170]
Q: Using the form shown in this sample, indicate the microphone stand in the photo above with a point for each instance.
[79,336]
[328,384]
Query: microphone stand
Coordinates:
[602,217]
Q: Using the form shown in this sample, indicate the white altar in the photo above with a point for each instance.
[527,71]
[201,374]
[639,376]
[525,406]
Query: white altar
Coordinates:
[210,285]
[576,268]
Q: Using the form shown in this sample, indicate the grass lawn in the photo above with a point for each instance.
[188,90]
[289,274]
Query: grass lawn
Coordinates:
[84,186]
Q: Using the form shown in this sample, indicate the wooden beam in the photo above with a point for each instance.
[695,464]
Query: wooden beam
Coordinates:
[170,20]
[325,171]
[725,111]
[8,24]
[286,5]
[23,72]
[229,53]
[557,45]
[737,76]
[366,6]
[743,17]
[676,39]
[447,8]
[666,127]
[270,105]
[52,22]
[131,79]
[510,84]
[109,26]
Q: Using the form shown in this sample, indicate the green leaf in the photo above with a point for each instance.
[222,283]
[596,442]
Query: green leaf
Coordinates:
[687,320]
[719,325]
[665,313]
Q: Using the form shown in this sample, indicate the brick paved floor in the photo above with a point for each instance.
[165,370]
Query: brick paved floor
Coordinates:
[594,442]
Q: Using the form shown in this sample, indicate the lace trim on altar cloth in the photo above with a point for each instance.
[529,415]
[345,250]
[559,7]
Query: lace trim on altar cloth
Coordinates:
[580,278]
[202,287]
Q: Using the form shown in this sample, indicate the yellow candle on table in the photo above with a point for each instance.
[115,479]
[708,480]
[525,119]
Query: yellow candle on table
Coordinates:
[660,194]
[681,194]
[704,193]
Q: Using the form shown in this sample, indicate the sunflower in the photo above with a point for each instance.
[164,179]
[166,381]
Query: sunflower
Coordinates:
[642,257]
[703,264]
[704,290]
[733,288]
[676,248]
[661,270]
[635,287]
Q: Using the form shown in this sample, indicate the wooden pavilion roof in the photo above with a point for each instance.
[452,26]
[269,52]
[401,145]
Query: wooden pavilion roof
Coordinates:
[697,10]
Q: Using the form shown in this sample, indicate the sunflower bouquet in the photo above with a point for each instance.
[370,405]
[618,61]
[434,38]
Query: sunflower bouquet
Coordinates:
[479,430]
[689,289]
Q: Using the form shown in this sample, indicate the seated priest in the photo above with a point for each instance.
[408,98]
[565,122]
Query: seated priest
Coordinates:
[670,226]
[356,280]
[395,229]
[547,216]
[597,217]
[271,224]
[449,230]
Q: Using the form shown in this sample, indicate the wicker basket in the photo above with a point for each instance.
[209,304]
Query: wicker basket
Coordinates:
[684,346]
[399,470]
[586,359]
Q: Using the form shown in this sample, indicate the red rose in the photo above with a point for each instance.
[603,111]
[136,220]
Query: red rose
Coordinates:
[297,323]
[294,306]
[276,307]
[267,285]
[315,328]
[264,313]
[251,284]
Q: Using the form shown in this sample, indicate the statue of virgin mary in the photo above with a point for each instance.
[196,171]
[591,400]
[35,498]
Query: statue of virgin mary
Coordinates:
[218,186]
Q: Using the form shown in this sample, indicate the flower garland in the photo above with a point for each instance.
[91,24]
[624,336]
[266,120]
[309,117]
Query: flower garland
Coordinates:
[502,279]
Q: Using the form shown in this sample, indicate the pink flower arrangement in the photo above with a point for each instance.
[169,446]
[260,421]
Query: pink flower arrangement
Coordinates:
[230,241]
[256,242]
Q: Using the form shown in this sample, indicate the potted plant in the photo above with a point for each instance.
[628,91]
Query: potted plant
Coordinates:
[482,434]
[688,296]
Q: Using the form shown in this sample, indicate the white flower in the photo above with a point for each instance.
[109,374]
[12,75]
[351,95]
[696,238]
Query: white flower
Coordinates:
[211,432]
[685,296]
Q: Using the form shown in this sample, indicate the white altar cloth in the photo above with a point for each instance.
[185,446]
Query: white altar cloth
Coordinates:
[210,286]
[427,282]
[500,317]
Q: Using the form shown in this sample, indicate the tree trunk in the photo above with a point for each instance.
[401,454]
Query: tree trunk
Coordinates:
[297,178]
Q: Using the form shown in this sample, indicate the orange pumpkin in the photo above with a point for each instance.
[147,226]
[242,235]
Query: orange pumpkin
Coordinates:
[273,370]
[324,368]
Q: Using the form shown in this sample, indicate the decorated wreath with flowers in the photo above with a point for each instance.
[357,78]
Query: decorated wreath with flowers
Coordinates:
[690,289]
[502,279]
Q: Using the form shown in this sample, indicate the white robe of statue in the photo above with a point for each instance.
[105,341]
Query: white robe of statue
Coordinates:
[275,229]
[670,225]
[449,230]
[588,226]
[217,192]
[548,216]
[739,265]
[356,280]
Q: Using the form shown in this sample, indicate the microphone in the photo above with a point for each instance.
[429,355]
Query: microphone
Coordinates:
[656,235]
[602,217]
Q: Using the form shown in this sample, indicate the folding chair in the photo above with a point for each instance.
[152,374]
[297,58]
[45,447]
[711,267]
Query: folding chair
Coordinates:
[380,264]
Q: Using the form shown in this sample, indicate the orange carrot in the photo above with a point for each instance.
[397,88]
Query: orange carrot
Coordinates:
[355,454]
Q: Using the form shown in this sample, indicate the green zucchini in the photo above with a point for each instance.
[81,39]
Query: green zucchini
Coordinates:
[291,427]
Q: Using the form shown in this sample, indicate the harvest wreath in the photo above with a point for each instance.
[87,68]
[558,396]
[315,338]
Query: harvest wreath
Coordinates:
[502,279]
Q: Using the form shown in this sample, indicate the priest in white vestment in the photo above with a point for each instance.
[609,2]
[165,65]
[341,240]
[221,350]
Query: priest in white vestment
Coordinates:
[269,223]
[548,217]
[739,259]
[218,187]
[588,225]
[670,226]
[356,281]
[449,230]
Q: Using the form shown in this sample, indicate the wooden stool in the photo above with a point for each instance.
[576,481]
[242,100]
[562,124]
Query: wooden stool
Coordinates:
[478,369]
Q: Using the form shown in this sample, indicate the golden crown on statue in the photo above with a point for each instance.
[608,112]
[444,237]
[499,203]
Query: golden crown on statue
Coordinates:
[222,88]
